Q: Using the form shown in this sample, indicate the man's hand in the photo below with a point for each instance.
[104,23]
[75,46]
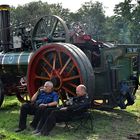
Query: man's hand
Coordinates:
[43,105]
[63,108]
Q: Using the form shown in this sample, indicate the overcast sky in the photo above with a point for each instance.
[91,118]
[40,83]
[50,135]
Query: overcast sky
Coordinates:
[73,5]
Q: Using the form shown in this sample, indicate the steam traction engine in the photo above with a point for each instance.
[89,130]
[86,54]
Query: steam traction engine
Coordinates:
[67,57]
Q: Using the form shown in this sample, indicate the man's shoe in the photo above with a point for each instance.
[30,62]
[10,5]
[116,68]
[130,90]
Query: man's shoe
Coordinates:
[19,129]
[37,134]
[36,131]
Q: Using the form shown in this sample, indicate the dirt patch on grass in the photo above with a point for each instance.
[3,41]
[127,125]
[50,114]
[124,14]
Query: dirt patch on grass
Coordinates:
[134,136]
[2,136]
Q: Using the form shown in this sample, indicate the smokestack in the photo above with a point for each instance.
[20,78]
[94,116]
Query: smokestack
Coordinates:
[4,27]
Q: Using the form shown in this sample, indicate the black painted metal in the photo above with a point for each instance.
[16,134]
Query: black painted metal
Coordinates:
[4,27]
[1,93]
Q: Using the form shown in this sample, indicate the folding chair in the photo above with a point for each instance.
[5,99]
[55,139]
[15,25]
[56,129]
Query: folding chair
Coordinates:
[84,121]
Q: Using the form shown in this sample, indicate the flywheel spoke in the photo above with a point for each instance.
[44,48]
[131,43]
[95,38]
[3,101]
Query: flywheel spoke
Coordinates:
[60,60]
[46,61]
[68,91]
[42,78]
[70,71]
[46,71]
[54,27]
[66,64]
[72,85]
[54,61]
[71,78]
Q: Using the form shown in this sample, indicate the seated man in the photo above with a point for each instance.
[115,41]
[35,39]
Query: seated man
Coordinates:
[80,105]
[42,99]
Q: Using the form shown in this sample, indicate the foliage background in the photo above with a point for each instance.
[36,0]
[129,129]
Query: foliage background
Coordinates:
[122,27]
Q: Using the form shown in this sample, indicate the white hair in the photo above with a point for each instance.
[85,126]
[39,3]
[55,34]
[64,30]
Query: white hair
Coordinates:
[49,83]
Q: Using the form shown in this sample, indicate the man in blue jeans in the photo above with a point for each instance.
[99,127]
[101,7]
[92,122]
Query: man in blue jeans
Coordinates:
[43,99]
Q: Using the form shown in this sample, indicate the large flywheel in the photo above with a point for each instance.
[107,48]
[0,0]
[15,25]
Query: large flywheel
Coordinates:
[65,65]
[49,29]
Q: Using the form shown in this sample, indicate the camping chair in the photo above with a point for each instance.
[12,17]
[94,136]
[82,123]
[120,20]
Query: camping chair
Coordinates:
[84,121]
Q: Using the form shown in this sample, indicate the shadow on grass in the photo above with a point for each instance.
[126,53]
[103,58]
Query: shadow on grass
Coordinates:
[108,125]
[2,136]
[116,124]
[9,106]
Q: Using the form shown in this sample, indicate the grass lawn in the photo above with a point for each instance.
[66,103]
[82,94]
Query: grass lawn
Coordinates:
[114,125]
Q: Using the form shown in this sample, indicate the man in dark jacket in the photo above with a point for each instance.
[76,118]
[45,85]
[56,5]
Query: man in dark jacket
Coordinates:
[79,105]
[40,101]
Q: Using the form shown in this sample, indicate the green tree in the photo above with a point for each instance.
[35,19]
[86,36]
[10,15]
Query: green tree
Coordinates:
[92,14]
[127,15]
[135,25]
[30,13]
[113,27]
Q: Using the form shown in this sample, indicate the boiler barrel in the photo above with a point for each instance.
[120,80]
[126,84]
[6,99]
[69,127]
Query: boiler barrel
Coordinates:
[15,62]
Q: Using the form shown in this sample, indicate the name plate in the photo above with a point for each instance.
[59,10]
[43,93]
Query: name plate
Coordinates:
[132,50]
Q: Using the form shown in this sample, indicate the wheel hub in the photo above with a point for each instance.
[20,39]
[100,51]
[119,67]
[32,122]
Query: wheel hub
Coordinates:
[56,82]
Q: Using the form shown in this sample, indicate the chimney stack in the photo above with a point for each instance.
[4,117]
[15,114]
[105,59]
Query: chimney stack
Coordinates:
[4,27]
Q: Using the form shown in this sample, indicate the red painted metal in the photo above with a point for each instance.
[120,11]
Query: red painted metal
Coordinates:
[54,62]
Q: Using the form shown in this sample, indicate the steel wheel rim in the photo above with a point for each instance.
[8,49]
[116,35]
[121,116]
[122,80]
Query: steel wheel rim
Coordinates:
[68,73]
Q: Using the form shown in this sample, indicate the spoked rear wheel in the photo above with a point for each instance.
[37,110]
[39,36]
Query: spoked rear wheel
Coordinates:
[65,65]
